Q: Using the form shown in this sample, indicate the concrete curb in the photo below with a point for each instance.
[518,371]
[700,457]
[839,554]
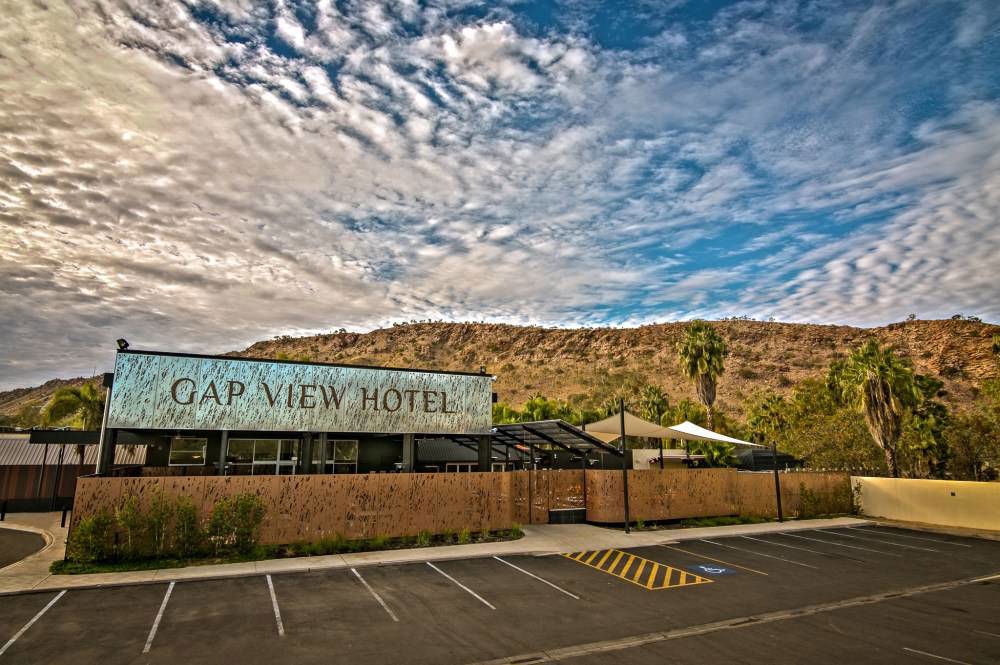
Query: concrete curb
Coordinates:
[561,538]
[49,538]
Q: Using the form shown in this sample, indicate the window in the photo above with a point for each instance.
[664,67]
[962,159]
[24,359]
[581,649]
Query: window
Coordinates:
[345,455]
[461,467]
[186,451]
[262,456]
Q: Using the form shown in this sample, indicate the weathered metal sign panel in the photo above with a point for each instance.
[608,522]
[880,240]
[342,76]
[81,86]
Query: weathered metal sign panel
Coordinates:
[153,391]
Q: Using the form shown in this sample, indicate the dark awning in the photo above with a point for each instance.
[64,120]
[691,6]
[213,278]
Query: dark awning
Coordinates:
[543,434]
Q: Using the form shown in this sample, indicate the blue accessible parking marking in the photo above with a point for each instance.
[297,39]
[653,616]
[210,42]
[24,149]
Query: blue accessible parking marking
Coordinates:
[711,569]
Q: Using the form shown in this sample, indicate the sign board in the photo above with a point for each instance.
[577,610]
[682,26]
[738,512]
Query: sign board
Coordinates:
[165,391]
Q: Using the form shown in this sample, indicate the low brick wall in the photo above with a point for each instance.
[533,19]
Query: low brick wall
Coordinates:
[311,507]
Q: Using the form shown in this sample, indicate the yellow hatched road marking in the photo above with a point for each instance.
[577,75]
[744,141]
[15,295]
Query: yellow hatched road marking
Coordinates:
[672,577]
[615,562]
[638,573]
[628,564]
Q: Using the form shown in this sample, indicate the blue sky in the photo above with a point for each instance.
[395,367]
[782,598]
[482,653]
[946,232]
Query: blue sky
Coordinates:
[201,174]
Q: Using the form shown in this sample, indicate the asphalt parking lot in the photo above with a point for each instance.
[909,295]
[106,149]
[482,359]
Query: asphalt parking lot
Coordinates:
[15,545]
[868,594]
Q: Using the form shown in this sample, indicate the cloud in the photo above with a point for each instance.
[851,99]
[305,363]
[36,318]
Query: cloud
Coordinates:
[200,178]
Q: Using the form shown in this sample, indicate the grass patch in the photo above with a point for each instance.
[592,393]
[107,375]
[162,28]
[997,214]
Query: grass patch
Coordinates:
[335,545]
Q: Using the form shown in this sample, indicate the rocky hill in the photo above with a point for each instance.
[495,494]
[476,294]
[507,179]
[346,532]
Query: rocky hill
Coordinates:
[572,362]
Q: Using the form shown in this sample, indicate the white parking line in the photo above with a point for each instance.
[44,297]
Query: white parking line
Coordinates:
[769,556]
[791,547]
[540,579]
[983,632]
[30,623]
[462,586]
[274,603]
[931,655]
[159,615]
[835,543]
[375,595]
[877,540]
[893,534]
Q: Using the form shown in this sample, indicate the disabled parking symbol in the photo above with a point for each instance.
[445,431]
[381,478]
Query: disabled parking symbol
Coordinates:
[711,569]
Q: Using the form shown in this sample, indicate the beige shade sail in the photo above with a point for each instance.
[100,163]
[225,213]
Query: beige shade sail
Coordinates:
[609,429]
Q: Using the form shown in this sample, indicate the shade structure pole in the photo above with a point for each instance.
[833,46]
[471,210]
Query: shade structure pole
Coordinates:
[531,484]
[661,454]
[621,412]
[777,482]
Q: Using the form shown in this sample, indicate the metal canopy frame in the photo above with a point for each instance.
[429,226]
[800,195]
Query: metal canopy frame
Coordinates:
[542,435]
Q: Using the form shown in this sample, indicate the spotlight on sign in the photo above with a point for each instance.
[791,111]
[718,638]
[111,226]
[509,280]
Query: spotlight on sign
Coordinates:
[122,344]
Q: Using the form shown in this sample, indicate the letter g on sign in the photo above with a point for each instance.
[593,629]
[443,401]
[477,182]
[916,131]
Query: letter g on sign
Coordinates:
[176,386]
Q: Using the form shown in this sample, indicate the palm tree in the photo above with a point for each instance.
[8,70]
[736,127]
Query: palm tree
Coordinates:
[767,418]
[701,354]
[882,387]
[84,402]
[653,403]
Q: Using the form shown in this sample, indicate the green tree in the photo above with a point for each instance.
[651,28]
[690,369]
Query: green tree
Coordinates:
[881,386]
[702,354]
[767,418]
[83,403]
[653,404]
[924,429]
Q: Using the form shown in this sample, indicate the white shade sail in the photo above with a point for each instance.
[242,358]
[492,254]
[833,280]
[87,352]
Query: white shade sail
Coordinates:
[609,429]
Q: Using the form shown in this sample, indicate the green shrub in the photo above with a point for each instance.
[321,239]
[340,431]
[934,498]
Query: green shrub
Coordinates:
[516,531]
[188,536]
[484,534]
[464,536]
[447,536]
[423,539]
[639,525]
[158,522]
[132,524]
[235,522]
[810,503]
[379,542]
[92,539]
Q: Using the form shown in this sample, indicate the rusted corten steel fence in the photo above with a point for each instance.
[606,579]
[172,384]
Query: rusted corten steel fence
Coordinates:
[667,495]
[310,507]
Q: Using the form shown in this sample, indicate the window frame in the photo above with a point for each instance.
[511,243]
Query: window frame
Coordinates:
[204,451]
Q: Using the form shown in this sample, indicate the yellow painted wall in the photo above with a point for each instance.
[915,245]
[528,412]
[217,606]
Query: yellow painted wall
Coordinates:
[945,502]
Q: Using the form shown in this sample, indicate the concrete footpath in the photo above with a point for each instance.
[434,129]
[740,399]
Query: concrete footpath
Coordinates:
[32,574]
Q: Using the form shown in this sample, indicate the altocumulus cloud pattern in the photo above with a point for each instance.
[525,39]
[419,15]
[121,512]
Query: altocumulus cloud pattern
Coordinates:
[200,174]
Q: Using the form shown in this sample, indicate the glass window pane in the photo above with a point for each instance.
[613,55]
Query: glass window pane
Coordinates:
[289,449]
[187,451]
[240,451]
[265,450]
[346,451]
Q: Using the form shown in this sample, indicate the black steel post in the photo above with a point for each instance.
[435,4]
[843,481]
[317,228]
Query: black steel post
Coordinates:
[621,413]
[306,453]
[41,474]
[322,452]
[55,485]
[104,461]
[777,482]
[531,484]
[223,452]
[484,451]
[62,523]
[661,454]
[584,485]
[409,452]
[3,510]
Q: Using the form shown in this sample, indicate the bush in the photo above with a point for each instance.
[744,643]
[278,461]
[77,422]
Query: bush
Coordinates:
[92,539]
[809,502]
[188,535]
[158,522]
[235,522]
[516,531]
[464,536]
[423,539]
[132,524]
